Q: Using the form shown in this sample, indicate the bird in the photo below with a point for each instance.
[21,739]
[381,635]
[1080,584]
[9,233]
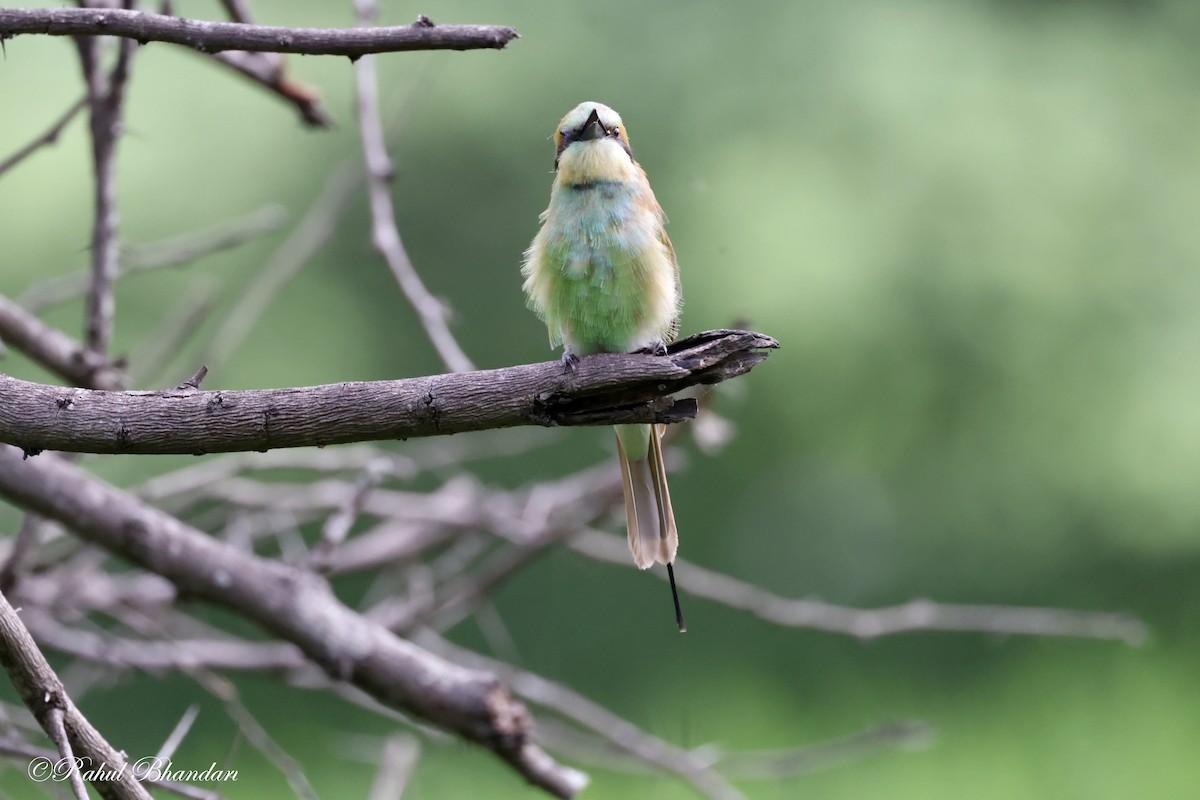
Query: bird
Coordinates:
[602,274]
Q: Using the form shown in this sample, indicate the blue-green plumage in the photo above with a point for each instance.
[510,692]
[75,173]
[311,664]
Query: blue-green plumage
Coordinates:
[595,241]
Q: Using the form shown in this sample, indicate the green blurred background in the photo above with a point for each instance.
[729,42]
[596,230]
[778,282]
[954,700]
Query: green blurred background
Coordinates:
[973,227]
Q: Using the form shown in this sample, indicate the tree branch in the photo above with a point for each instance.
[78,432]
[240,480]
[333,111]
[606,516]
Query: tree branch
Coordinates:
[54,350]
[42,691]
[606,388]
[592,716]
[269,70]
[871,623]
[106,94]
[295,604]
[172,252]
[211,37]
[47,137]
[385,234]
[10,746]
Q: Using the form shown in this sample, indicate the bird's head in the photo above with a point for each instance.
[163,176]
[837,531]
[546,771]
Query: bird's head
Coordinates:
[590,144]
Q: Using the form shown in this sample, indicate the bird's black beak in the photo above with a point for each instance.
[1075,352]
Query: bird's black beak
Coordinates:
[592,129]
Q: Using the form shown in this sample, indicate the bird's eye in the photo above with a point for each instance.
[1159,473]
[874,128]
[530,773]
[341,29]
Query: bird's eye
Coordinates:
[616,130]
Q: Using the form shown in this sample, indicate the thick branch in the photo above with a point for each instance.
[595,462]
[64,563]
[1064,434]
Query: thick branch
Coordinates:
[295,604]
[603,389]
[215,36]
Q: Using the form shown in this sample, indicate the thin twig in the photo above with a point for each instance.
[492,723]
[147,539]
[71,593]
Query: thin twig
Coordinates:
[267,70]
[258,736]
[47,137]
[397,760]
[431,455]
[143,26]
[334,532]
[238,11]
[385,234]
[56,729]
[786,762]
[195,477]
[619,731]
[157,656]
[173,252]
[25,540]
[867,624]
[178,733]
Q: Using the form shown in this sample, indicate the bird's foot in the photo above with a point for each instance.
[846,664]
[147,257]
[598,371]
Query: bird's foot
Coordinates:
[569,361]
[658,348]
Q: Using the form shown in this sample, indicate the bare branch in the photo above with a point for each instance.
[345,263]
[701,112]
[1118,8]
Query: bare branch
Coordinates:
[26,539]
[144,26]
[48,137]
[15,747]
[594,717]
[604,389]
[106,94]
[178,733]
[333,533]
[293,603]
[189,247]
[195,477]
[258,736]
[385,235]
[867,624]
[55,350]
[237,11]
[267,70]
[776,764]
[397,760]
[430,455]
[42,691]
[163,656]
[57,730]
[172,252]
[546,514]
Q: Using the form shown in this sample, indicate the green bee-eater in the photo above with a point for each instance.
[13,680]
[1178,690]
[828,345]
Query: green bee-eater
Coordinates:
[601,273]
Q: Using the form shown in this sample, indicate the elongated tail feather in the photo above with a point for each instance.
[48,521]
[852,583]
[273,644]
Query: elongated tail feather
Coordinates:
[648,514]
